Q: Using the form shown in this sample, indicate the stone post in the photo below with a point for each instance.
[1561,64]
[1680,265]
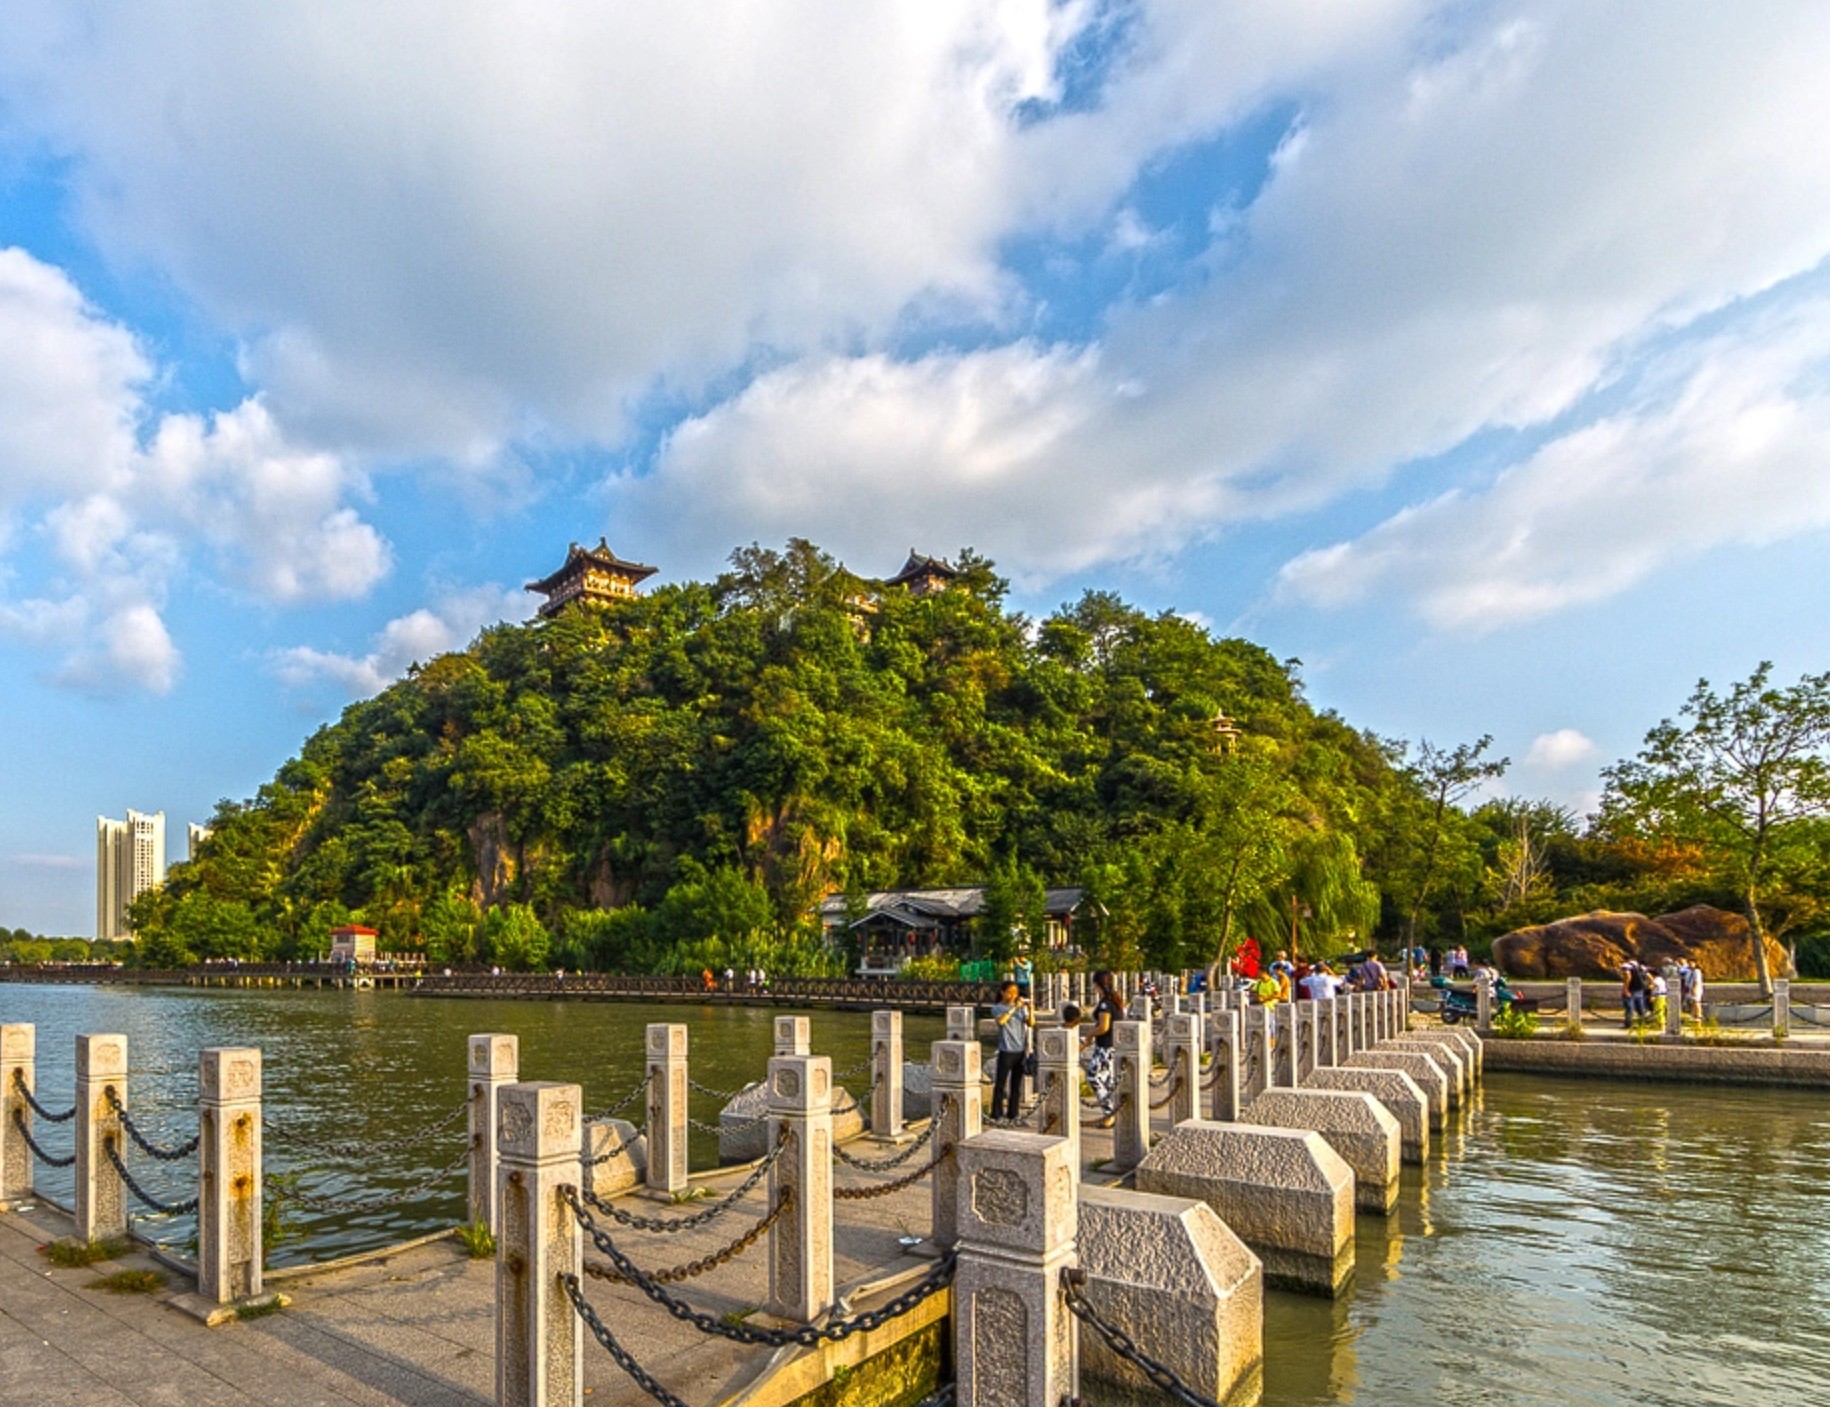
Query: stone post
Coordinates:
[1674,1000]
[1058,1084]
[1572,1016]
[494,1061]
[1483,1002]
[886,1075]
[794,1035]
[1782,1008]
[1289,1044]
[18,1047]
[1182,1054]
[101,1197]
[959,1105]
[1131,1093]
[1404,1003]
[1328,1032]
[229,1175]
[1309,1016]
[1014,1340]
[667,1130]
[539,1339]
[962,1023]
[1375,1016]
[1225,1073]
[1256,1066]
[800,1244]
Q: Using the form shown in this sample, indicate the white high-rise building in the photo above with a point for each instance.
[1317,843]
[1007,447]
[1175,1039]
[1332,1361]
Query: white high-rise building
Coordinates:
[129,860]
[194,836]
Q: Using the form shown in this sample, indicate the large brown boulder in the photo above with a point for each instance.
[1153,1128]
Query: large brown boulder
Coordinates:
[1594,945]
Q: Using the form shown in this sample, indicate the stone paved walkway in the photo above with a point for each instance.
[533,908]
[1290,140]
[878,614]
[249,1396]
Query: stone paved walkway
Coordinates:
[416,1328]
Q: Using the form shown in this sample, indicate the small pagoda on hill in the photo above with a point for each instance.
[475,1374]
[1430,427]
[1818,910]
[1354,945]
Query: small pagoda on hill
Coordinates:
[594,574]
[924,576]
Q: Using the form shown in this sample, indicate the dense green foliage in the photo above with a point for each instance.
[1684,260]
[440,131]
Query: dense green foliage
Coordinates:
[676,780]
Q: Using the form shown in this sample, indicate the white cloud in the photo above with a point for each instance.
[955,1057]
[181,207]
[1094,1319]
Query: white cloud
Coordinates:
[411,639]
[51,862]
[1733,456]
[1477,229]
[122,517]
[1564,748]
[435,223]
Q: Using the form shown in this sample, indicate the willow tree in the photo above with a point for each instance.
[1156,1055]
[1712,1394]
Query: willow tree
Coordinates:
[1744,775]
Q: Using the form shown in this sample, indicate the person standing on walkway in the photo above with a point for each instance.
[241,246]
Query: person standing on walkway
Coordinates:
[1012,1013]
[1098,1045]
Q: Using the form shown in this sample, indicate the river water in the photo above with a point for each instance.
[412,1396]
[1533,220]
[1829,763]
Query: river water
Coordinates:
[1570,1242]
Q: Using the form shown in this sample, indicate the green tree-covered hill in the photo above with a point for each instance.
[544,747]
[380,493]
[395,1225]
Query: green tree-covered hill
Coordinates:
[684,774]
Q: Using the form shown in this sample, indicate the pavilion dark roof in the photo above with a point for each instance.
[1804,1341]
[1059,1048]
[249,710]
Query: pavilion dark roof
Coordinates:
[600,556]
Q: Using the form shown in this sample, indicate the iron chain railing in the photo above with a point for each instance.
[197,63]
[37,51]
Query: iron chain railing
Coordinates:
[939,1276]
[49,1160]
[671,1225]
[1121,1343]
[1175,1088]
[692,1269]
[605,1115]
[183,1208]
[885,1164]
[624,1359]
[883,1189]
[37,1108]
[146,1145]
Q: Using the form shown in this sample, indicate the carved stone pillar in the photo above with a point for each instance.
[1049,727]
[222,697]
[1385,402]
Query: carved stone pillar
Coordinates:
[886,1075]
[667,1093]
[1014,1340]
[494,1061]
[959,1097]
[539,1339]
[101,1197]
[229,1175]
[18,1054]
[800,1243]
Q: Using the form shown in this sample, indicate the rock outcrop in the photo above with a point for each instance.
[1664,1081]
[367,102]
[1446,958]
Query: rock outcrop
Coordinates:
[1594,945]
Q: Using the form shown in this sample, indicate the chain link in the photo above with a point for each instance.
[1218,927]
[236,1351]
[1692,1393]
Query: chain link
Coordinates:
[939,1276]
[883,1189]
[1125,1347]
[625,1360]
[671,1225]
[694,1268]
[150,1149]
[165,1208]
[37,1108]
[611,1153]
[716,1093]
[605,1115]
[885,1164]
[315,1203]
[39,1153]
[1174,1090]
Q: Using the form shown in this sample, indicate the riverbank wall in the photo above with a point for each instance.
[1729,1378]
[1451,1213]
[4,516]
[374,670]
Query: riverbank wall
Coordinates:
[1789,1064]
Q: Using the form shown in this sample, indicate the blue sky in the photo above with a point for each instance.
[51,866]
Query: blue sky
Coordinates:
[1473,353]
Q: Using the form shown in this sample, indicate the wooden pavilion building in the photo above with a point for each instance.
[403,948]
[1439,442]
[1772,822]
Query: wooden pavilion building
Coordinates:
[924,576]
[591,574]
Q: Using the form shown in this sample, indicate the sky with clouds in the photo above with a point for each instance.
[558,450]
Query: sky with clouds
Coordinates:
[1473,353]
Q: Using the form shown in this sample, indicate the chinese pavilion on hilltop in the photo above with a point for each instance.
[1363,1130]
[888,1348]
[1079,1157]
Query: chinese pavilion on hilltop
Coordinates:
[589,574]
[924,576]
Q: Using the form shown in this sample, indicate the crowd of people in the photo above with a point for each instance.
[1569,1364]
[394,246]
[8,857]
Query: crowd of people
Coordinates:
[1644,991]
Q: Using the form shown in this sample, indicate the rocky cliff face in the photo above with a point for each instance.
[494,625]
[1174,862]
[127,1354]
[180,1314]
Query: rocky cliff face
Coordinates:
[1594,945]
